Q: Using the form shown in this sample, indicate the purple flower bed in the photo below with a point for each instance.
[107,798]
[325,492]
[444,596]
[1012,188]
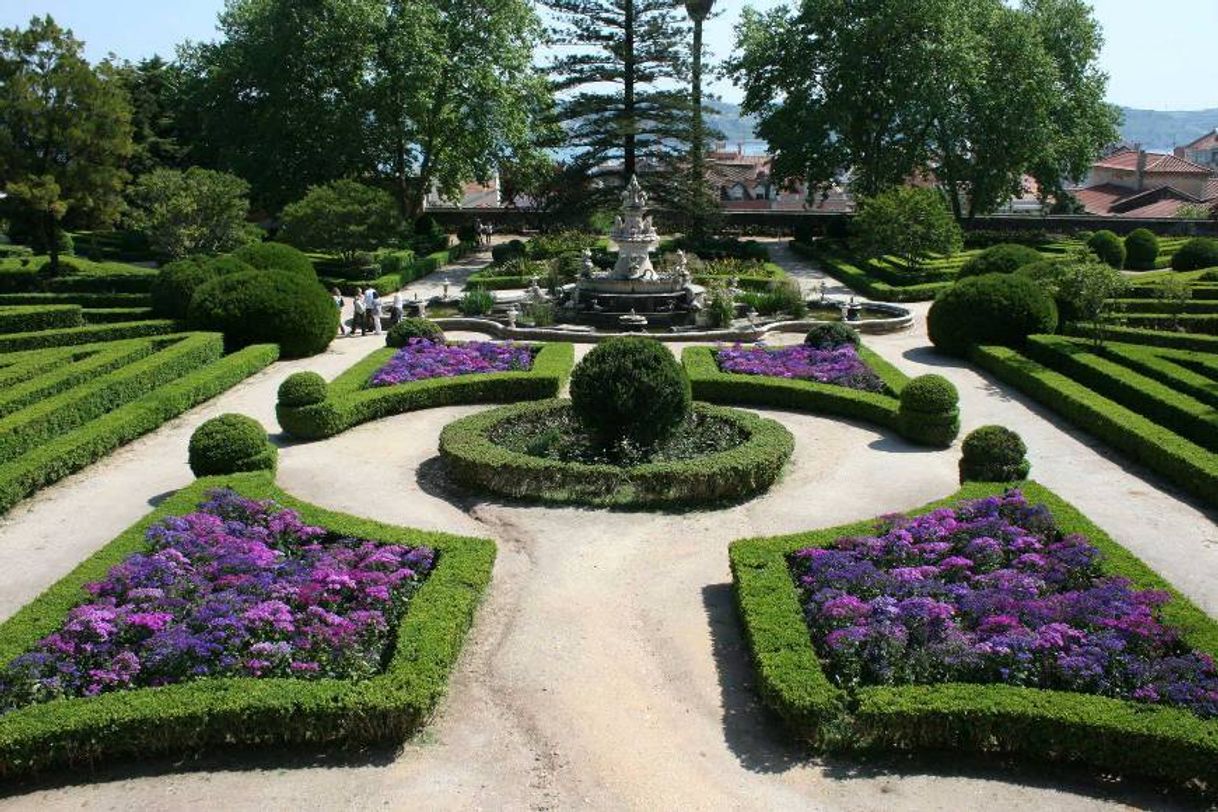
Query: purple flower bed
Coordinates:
[238,588]
[840,366]
[421,359]
[992,592]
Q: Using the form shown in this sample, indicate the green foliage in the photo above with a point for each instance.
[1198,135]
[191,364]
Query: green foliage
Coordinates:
[476,303]
[909,223]
[401,333]
[1141,250]
[504,252]
[1001,258]
[219,713]
[556,243]
[1108,247]
[276,256]
[231,443]
[476,460]
[261,307]
[175,286]
[198,211]
[342,217]
[350,401]
[32,318]
[302,389]
[1196,254]
[630,390]
[42,339]
[1086,291]
[858,279]
[994,309]
[720,307]
[929,411]
[993,454]
[831,334]
[153,87]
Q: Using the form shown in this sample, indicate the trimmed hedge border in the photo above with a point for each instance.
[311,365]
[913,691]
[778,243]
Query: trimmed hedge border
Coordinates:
[1188,465]
[116,315]
[67,453]
[35,318]
[862,282]
[17,342]
[1110,734]
[713,385]
[350,401]
[728,476]
[96,300]
[220,712]
[1151,338]
[390,283]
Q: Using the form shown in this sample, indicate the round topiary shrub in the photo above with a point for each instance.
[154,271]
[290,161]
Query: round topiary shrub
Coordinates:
[993,309]
[1196,254]
[175,286]
[831,334]
[1141,250]
[302,389]
[930,411]
[225,264]
[401,333]
[505,252]
[993,454]
[1108,247]
[1005,257]
[266,307]
[231,443]
[276,256]
[630,389]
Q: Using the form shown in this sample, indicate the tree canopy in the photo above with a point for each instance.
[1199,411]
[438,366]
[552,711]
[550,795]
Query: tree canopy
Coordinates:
[344,217]
[198,211]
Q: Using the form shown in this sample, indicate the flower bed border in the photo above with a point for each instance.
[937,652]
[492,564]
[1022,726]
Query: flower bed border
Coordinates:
[226,711]
[727,476]
[350,401]
[1110,734]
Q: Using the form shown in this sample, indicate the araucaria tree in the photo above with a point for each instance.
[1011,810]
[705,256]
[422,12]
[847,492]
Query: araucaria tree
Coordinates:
[971,92]
[65,133]
[621,77]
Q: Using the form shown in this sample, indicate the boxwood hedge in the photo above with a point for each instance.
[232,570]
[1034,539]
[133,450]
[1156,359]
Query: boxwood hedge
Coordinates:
[40,339]
[32,318]
[194,716]
[1105,733]
[350,401]
[726,476]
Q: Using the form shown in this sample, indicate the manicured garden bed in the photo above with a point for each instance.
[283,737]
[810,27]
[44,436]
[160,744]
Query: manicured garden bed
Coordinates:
[977,625]
[374,687]
[422,359]
[351,399]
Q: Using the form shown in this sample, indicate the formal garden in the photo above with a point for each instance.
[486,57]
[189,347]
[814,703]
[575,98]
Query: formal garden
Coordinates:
[318,488]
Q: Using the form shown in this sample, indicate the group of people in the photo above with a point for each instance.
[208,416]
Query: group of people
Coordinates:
[367,314]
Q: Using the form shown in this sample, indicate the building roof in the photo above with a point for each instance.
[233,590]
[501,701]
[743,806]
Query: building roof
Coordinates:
[1156,162]
[1111,200]
[1210,192]
[1207,141]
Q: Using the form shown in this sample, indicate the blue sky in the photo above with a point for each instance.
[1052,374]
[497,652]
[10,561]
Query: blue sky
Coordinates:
[1159,55]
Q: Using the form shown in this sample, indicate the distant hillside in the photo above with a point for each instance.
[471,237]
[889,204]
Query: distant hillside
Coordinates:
[1156,130]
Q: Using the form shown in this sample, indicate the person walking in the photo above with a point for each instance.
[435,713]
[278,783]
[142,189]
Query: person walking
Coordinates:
[360,319]
[373,306]
[397,309]
[337,295]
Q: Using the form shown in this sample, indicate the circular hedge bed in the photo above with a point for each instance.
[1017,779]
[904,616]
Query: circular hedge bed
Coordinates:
[724,455]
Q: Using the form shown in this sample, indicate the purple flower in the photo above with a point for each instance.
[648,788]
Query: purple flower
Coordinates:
[840,366]
[421,359]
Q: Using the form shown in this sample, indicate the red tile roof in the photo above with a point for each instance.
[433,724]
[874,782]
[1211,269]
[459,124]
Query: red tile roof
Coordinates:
[1155,163]
[1207,141]
[1099,199]
[1210,192]
[1111,200]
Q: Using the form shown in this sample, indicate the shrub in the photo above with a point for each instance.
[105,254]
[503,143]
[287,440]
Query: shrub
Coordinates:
[476,303]
[908,222]
[929,411]
[467,233]
[276,256]
[831,334]
[226,264]
[630,389]
[993,309]
[198,211]
[1196,254]
[1141,250]
[1001,258]
[1108,247]
[504,252]
[229,444]
[302,389]
[1209,276]
[342,217]
[261,307]
[175,286]
[993,454]
[401,333]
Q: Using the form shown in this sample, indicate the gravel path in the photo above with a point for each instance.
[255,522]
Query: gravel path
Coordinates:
[606,668]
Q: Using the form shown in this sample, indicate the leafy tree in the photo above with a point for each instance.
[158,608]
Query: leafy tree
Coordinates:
[153,87]
[1088,288]
[343,217]
[909,223]
[66,132]
[198,211]
[1175,294]
[620,82]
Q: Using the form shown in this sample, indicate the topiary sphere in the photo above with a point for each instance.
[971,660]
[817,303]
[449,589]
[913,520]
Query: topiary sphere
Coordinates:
[1108,247]
[1005,257]
[231,443]
[930,393]
[1141,249]
[401,333]
[266,307]
[175,286]
[1198,253]
[993,309]
[276,256]
[929,411]
[830,335]
[302,389]
[630,389]
[993,454]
